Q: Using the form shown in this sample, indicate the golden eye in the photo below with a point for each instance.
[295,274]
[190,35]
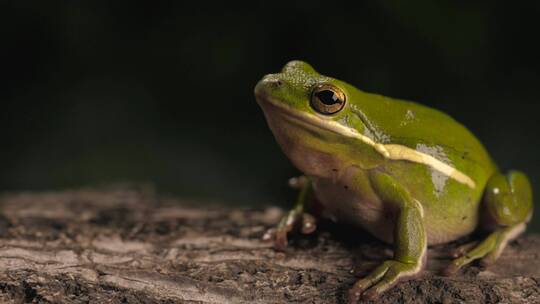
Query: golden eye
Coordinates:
[327,99]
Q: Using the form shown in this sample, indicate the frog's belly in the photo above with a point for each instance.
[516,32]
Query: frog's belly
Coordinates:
[367,211]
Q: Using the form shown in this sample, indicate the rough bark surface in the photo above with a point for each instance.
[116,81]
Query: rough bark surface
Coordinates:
[130,246]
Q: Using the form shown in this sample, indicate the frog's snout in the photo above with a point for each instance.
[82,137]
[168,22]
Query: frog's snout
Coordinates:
[272,80]
[267,84]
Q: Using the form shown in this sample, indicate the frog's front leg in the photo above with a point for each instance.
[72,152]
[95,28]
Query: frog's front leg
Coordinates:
[410,241]
[507,205]
[278,235]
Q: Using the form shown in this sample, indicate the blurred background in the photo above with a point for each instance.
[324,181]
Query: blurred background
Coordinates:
[97,92]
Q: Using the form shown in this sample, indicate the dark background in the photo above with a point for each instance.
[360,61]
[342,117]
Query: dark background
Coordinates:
[108,91]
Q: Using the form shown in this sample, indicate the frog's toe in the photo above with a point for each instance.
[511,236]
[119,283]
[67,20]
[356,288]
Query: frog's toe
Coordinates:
[461,250]
[269,235]
[308,223]
[476,253]
[452,269]
[389,280]
[484,252]
[363,284]
[298,182]
[381,279]
[277,237]
[489,259]
[354,295]
[292,220]
[280,240]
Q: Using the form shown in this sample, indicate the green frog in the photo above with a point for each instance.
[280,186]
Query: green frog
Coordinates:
[408,174]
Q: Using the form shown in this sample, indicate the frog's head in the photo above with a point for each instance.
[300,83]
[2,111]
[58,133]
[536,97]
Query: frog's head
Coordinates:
[316,120]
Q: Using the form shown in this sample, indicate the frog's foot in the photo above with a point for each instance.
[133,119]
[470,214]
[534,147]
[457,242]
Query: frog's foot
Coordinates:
[295,217]
[382,278]
[278,235]
[461,250]
[508,205]
[488,250]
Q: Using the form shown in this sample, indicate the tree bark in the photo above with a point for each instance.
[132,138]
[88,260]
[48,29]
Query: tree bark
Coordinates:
[128,245]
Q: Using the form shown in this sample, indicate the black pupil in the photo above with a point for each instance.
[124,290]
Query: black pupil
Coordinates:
[327,97]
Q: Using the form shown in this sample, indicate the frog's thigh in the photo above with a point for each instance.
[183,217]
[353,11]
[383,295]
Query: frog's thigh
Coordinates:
[508,199]
[508,204]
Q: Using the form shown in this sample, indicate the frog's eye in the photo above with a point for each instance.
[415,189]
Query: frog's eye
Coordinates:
[327,99]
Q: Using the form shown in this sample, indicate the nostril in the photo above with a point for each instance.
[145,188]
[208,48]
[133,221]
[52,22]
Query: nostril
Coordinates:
[274,82]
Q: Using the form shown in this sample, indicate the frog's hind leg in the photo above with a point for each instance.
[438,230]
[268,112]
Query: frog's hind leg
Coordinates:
[489,249]
[508,207]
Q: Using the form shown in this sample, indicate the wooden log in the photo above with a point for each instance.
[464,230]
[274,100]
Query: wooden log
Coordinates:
[128,245]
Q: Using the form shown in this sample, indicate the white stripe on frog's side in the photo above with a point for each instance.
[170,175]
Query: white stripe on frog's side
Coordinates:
[390,151]
[406,153]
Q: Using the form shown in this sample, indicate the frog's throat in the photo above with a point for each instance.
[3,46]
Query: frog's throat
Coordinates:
[389,151]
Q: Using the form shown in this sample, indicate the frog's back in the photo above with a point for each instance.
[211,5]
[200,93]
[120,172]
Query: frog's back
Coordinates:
[426,130]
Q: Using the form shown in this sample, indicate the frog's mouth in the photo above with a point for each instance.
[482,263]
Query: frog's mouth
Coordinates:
[309,120]
[298,118]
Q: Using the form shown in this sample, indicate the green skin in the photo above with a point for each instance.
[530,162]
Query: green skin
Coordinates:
[392,192]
